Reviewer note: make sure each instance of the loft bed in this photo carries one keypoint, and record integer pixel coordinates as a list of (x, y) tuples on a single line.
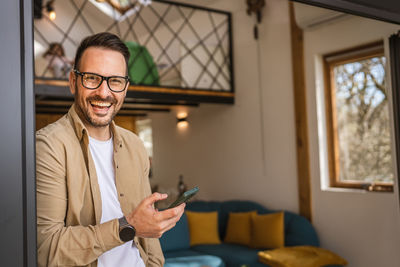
[(180, 54)]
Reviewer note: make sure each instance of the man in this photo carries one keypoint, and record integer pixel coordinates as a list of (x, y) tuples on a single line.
[(94, 205)]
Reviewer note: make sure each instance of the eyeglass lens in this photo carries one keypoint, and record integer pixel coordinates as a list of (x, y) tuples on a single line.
[(93, 81)]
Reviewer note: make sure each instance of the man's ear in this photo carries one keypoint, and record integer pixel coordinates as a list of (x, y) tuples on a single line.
[(72, 82)]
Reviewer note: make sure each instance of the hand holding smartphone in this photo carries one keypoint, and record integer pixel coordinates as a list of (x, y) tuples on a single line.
[(184, 197)]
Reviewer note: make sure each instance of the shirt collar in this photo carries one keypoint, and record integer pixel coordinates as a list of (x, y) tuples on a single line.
[(81, 131)]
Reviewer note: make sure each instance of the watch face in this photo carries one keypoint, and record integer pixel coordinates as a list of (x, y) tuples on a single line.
[(127, 234)]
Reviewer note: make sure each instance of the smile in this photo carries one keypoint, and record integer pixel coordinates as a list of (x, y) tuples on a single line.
[(100, 104)]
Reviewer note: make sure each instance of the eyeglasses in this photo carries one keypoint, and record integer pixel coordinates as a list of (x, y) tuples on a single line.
[(93, 81)]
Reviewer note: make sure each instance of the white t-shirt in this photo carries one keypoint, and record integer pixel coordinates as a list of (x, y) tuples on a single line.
[(127, 254)]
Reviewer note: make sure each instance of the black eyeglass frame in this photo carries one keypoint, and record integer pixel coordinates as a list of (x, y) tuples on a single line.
[(77, 72)]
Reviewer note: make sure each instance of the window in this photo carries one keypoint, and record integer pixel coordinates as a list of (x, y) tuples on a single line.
[(145, 133), (358, 122)]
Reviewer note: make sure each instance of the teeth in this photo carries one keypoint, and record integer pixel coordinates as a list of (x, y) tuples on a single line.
[(101, 104)]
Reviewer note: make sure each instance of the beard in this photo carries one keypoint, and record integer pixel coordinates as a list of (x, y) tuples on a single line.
[(86, 115)]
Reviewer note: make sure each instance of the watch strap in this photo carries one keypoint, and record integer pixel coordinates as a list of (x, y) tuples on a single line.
[(123, 222), (126, 231)]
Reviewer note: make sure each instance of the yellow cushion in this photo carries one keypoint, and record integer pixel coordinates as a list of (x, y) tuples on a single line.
[(268, 230), (203, 227), (304, 256), (238, 229)]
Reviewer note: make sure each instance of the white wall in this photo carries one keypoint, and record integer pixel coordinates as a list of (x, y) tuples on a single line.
[(247, 151), (363, 227), (227, 151)]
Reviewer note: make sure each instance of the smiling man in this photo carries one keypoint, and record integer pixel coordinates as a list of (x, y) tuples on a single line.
[(94, 205)]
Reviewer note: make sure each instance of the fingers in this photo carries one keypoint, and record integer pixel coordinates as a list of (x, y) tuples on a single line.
[(171, 213), (150, 200), (149, 224), (169, 223)]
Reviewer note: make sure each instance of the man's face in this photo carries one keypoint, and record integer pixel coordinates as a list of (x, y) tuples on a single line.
[(98, 107)]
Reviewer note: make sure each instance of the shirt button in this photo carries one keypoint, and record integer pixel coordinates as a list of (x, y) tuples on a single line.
[(120, 145), (121, 195)]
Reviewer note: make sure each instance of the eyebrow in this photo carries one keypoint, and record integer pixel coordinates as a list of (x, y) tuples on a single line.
[(113, 75)]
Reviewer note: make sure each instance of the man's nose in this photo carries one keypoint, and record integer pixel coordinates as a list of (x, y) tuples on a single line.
[(103, 89)]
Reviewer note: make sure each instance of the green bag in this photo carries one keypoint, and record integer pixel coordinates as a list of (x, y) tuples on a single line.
[(141, 67)]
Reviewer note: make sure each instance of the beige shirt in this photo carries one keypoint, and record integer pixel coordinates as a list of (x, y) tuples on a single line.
[(69, 200)]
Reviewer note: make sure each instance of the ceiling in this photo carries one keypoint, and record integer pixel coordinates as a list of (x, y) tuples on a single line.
[(310, 17)]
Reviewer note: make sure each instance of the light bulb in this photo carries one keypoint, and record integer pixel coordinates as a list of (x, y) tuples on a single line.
[(183, 124), (181, 115), (52, 15)]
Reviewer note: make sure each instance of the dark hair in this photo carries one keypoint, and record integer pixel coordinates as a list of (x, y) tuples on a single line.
[(55, 49), (103, 40)]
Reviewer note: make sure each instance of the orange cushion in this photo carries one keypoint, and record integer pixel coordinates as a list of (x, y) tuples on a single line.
[(238, 229), (304, 256), (268, 230), (203, 227)]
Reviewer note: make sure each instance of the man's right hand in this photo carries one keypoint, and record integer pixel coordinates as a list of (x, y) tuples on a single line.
[(149, 222)]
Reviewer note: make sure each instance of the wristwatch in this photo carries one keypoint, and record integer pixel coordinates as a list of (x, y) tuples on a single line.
[(126, 231)]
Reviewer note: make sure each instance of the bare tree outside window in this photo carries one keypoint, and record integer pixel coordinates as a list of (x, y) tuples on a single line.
[(361, 122)]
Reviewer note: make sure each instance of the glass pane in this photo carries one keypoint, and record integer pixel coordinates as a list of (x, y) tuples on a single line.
[(362, 117), (145, 133)]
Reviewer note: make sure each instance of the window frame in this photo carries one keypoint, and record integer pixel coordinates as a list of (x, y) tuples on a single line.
[(330, 61)]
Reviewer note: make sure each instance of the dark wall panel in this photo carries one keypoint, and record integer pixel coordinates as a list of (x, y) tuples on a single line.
[(11, 203), (394, 43), (17, 202), (388, 5), (386, 10)]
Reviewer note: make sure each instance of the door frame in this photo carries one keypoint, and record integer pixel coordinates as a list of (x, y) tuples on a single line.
[(17, 133)]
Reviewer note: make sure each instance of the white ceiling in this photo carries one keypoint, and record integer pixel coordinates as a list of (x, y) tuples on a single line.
[(310, 17)]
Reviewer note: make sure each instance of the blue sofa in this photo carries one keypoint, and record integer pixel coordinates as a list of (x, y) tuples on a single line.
[(175, 243)]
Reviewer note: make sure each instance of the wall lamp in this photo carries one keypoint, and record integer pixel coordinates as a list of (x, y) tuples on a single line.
[(181, 120), (50, 10)]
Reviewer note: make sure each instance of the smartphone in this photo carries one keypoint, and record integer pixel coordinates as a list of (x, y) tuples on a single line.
[(184, 197)]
